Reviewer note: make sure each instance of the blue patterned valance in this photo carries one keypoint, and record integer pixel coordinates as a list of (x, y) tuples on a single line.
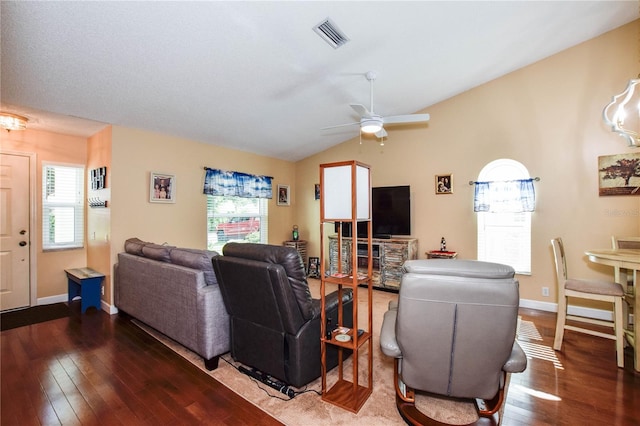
[(236, 184), (512, 196)]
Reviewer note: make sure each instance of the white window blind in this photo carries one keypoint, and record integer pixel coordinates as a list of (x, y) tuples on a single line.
[(62, 206), (226, 209), (505, 237)]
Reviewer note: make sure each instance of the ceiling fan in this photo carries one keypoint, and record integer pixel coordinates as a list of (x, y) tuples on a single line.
[(373, 123)]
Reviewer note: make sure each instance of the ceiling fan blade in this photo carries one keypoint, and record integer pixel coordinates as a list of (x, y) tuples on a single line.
[(411, 118), (381, 133), (361, 110), (340, 125)]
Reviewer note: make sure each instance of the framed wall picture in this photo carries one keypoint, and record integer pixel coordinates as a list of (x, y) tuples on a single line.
[(162, 188), (283, 195), (619, 174), (316, 189), (444, 184)]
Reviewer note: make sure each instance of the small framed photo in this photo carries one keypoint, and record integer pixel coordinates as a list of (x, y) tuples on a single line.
[(162, 188), (317, 191), (313, 271), (283, 195), (444, 184)]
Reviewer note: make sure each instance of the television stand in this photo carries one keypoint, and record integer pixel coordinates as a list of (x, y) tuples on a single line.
[(388, 256)]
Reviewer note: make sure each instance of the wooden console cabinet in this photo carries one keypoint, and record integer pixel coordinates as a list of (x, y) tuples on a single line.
[(388, 256)]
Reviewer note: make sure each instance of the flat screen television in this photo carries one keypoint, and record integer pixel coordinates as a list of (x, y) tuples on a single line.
[(390, 212)]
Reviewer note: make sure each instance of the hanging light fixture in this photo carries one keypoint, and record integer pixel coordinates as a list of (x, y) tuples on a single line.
[(10, 121), (622, 114)]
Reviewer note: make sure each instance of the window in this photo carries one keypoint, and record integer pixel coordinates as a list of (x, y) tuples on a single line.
[(236, 219), (505, 237), (62, 207)]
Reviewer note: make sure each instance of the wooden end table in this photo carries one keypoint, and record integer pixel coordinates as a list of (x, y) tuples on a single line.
[(86, 283)]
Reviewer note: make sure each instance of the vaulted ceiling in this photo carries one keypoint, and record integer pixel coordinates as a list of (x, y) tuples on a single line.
[(255, 76)]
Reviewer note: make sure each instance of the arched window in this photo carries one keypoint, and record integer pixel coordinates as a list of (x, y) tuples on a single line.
[(504, 233)]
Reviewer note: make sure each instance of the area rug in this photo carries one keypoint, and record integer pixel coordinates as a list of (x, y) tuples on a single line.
[(33, 315), (308, 409)]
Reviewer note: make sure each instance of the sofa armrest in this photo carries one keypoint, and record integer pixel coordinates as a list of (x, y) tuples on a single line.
[(517, 361), (388, 342), (213, 322)]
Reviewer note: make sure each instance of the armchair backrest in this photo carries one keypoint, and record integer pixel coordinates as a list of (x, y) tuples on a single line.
[(456, 325), (264, 284)]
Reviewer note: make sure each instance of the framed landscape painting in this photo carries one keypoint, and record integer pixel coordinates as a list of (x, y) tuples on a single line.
[(619, 174)]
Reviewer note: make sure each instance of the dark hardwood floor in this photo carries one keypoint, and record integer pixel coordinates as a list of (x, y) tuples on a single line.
[(99, 369)]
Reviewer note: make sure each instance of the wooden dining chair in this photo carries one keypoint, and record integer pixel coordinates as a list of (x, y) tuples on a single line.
[(625, 243), (606, 291)]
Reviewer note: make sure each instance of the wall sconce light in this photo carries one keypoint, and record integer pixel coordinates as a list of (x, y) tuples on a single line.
[(10, 121), (622, 114)]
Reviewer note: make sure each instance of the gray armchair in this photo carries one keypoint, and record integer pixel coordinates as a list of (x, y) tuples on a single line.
[(452, 333)]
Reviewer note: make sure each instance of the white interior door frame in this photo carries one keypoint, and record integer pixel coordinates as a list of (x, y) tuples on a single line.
[(33, 234)]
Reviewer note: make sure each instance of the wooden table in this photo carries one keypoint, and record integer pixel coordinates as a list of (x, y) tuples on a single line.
[(626, 260), (437, 254)]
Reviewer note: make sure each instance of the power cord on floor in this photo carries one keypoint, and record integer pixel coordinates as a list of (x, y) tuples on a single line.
[(260, 378)]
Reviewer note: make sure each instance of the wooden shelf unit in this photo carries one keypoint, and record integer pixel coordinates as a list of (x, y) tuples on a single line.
[(388, 256), (348, 391)]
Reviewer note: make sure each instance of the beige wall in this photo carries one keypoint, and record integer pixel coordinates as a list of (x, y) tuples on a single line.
[(54, 148), (99, 218), (547, 116), (136, 153)]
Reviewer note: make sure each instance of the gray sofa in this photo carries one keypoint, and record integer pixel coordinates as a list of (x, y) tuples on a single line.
[(175, 291)]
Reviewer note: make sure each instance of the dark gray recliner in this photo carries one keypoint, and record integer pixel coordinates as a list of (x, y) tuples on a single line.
[(275, 323), (452, 333)]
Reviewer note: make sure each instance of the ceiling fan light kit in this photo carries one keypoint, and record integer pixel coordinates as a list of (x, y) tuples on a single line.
[(10, 121), (372, 123)]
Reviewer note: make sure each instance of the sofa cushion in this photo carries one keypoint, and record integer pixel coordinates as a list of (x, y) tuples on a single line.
[(196, 259), (157, 252), (134, 246)]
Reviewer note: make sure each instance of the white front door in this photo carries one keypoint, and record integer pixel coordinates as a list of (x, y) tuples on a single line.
[(14, 231)]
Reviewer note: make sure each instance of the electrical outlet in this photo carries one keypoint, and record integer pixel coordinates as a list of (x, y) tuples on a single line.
[(545, 291), (103, 290)]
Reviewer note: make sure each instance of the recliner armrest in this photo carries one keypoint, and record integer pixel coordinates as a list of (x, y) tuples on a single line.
[(331, 300), (517, 361), (388, 342)]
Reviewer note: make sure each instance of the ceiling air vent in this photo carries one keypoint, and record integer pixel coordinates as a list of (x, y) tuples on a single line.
[(330, 33)]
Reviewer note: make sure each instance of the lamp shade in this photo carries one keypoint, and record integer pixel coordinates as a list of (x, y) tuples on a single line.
[(345, 191), (622, 114)]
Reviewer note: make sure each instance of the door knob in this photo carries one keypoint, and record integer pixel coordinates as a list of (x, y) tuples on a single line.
[(22, 243), (22, 232)]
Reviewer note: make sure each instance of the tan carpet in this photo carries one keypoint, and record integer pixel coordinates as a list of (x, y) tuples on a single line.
[(308, 409)]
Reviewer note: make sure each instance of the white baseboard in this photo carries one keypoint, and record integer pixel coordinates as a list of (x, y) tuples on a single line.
[(110, 309), (571, 310), (524, 303), (52, 299)]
